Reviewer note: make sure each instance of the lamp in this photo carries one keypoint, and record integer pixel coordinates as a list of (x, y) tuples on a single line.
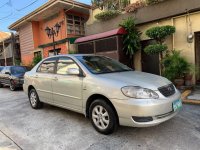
[(57, 27), (48, 31), (52, 32)]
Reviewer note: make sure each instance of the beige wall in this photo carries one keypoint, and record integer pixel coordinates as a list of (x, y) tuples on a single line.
[(179, 39)]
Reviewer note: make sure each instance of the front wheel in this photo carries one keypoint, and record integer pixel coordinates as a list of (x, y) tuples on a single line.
[(103, 117), (34, 99), (1, 85), (12, 85)]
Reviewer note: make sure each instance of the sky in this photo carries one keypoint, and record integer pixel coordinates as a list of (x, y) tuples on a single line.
[(13, 10)]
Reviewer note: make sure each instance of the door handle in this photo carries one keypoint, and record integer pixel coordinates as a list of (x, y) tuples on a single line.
[(36, 76), (55, 79)]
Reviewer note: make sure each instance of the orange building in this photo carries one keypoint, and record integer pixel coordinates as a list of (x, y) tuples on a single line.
[(67, 18)]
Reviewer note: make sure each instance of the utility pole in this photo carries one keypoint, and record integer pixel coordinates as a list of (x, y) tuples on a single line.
[(13, 47), (4, 51)]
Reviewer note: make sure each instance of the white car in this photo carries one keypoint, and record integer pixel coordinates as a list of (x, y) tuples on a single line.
[(106, 91)]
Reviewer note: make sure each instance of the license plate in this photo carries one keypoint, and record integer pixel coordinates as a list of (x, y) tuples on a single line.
[(177, 105)]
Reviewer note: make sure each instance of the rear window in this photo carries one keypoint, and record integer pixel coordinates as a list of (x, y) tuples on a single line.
[(18, 70)]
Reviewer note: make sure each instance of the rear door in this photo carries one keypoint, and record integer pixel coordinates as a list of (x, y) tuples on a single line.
[(5, 76), (2, 75), (43, 80)]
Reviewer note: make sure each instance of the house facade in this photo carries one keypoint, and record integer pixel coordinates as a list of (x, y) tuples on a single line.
[(67, 20), (184, 15), (9, 49)]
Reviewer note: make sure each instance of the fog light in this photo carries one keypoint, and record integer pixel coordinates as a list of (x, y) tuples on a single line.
[(142, 119)]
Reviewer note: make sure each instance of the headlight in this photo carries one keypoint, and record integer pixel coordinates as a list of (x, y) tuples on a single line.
[(139, 92)]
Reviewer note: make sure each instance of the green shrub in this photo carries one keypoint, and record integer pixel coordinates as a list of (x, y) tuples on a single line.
[(175, 66), (155, 49), (72, 52), (106, 15), (160, 33), (37, 59)]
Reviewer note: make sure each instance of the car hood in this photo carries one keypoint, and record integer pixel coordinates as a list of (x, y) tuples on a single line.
[(136, 78), (19, 75)]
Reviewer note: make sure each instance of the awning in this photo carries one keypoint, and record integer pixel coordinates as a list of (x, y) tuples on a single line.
[(101, 35), (70, 40)]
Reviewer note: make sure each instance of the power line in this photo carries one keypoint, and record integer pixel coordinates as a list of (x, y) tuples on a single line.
[(7, 16), (9, 3), (26, 6), (3, 5)]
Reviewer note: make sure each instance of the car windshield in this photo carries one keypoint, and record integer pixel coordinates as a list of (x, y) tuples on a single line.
[(18, 70), (101, 64)]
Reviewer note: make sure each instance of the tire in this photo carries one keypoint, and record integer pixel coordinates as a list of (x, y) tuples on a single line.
[(34, 99), (1, 85), (12, 86), (103, 117)]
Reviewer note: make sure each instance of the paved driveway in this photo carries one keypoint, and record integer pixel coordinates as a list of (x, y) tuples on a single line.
[(51, 128)]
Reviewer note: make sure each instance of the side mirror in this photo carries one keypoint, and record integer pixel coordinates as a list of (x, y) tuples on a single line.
[(7, 73), (73, 71)]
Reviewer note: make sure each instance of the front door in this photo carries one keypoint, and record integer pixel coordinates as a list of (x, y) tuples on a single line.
[(67, 89), (150, 63), (197, 56)]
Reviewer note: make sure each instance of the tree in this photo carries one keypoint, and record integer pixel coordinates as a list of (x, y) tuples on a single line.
[(131, 40), (159, 34)]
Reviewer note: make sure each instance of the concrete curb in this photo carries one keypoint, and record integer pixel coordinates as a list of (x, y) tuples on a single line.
[(184, 96)]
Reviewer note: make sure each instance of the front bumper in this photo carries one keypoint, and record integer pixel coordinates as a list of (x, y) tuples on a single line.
[(160, 110)]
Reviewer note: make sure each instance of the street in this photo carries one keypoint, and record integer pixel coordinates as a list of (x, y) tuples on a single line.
[(53, 128)]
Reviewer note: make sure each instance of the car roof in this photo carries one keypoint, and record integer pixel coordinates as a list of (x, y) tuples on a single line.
[(70, 55)]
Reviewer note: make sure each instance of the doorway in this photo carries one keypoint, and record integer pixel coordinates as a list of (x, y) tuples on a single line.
[(197, 56), (150, 63)]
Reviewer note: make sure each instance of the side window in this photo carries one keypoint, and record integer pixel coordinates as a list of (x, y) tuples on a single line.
[(5, 69), (47, 66), (64, 64)]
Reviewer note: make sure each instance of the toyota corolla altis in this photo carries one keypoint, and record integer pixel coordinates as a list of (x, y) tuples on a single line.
[(104, 90)]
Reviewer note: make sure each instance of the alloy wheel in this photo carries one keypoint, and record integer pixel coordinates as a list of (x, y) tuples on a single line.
[(12, 86), (33, 99), (100, 117)]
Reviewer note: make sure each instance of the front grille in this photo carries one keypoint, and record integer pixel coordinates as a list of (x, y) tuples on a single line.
[(167, 90)]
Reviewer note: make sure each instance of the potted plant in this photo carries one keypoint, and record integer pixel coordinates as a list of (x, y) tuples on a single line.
[(175, 68), (189, 75)]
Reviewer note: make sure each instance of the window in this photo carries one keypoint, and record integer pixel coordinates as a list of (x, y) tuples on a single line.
[(18, 70), (47, 66), (105, 45), (101, 65), (86, 48), (37, 54), (5, 69), (75, 25), (64, 64), (51, 52)]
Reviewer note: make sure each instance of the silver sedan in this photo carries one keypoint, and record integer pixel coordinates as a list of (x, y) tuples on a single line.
[(104, 90)]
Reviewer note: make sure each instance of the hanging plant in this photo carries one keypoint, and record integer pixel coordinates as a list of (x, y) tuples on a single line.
[(135, 6), (107, 15), (131, 40), (152, 2)]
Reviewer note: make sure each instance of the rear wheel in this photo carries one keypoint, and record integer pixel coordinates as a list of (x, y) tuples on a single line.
[(103, 117), (1, 85), (34, 99), (12, 85)]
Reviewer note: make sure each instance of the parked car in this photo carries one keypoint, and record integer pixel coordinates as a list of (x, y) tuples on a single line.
[(12, 76), (106, 91), (1, 67)]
